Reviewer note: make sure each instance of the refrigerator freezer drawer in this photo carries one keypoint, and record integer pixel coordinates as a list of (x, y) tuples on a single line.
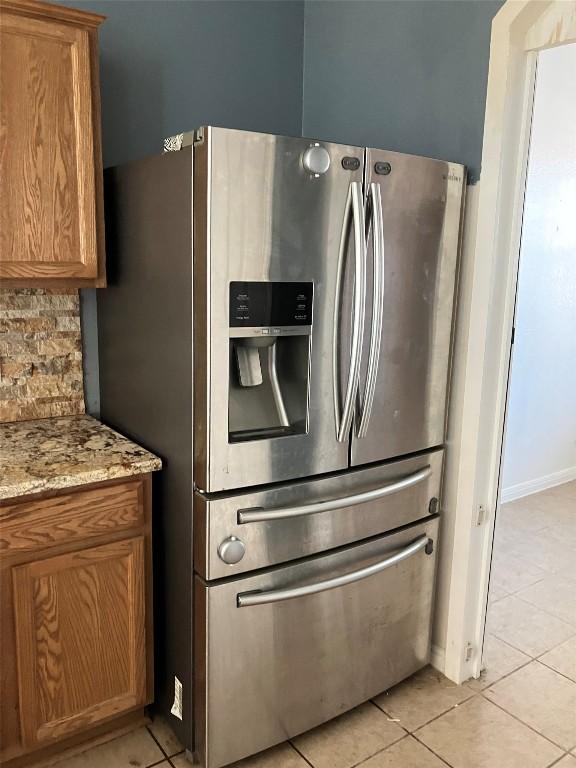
[(279, 524), (293, 647)]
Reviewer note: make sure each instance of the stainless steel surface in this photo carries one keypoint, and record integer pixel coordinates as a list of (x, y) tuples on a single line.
[(279, 540), (270, 672), (421, 203), (260, 216), (145, 340), (248, 599), (355, 204), (231, 550), (316, 159), (378, 272), (261, 515), (276, 391)]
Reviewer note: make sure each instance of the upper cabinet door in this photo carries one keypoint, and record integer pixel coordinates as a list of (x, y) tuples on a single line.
[(50, 164), (407, 368)]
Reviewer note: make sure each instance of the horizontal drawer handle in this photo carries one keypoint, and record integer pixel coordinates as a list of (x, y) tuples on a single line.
[(246, 599), (259, 515)]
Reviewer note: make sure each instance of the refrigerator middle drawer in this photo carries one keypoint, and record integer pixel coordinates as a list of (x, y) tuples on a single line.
[(282, 651), (240, 533)]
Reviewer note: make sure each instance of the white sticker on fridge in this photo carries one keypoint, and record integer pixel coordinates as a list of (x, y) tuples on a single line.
[(177, 706)]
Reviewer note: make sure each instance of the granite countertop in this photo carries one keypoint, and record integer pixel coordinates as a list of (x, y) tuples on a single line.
[(54, 453)]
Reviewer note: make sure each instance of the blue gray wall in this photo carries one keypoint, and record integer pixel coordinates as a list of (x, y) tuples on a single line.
[(407, 75), (171, 65)]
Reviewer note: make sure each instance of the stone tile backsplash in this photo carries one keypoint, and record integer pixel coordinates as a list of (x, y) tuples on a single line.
[(40, 354)]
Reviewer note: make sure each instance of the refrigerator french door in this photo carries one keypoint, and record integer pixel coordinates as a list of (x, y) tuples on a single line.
[(414, 208), (268, 230)]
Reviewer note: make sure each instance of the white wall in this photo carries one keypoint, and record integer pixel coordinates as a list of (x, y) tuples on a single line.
[(540, 448)]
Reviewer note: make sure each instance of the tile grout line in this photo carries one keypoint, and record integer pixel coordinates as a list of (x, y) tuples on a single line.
[(442, 759), (454, 706), (512, 646), (396, 741), (379, 751), (164, 752), (160, 747), (527, 586), (177, 754), (547, 575), (405, 736), (531, 659), (388, 715), (522, 722), (543, 663), (504, 677), (556, 762), (517, 555), (539, 608), (295, 748), (509, 644), (368, 757), (491, 632)]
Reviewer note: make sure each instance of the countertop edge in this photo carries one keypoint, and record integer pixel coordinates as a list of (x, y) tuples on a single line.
[(32, 486)]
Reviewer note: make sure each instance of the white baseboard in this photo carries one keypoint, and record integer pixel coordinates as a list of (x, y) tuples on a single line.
[(438, 658), (539, 484)]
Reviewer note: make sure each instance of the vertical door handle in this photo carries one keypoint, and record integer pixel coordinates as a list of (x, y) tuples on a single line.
[(377, 309), (354, 208)]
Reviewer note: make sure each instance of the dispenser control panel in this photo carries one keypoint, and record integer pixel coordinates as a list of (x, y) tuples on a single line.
[(270, 305)]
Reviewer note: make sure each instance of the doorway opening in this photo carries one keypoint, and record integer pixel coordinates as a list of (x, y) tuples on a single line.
[(530, 640)]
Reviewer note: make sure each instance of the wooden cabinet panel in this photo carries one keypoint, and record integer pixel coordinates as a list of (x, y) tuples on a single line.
[(49, 154), (28, 525), (81, 638)]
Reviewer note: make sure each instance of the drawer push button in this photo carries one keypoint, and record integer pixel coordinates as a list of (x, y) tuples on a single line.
[(231, 550)]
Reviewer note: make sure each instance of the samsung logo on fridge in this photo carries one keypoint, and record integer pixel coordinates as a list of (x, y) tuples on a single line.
[(451, 177)]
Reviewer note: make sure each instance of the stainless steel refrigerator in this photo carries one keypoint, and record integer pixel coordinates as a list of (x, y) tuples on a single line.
[(278, 328)]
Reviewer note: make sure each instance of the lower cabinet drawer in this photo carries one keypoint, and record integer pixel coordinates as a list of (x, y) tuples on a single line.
[(280, 652), (26, 526)]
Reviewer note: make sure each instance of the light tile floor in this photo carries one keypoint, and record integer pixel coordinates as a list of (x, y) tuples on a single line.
[(520, 714)]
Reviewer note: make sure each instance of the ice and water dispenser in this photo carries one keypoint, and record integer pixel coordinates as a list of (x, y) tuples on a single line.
[(270, 336)]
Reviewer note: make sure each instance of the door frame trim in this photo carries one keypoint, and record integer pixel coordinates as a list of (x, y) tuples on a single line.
[(484, 331)]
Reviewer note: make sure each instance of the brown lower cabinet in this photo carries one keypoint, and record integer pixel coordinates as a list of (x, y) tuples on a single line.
[(75, 615)]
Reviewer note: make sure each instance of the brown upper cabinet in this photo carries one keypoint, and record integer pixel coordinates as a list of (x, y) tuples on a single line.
[(51, 215)]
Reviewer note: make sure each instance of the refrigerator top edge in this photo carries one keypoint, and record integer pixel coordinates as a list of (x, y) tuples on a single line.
[(198, 135)]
